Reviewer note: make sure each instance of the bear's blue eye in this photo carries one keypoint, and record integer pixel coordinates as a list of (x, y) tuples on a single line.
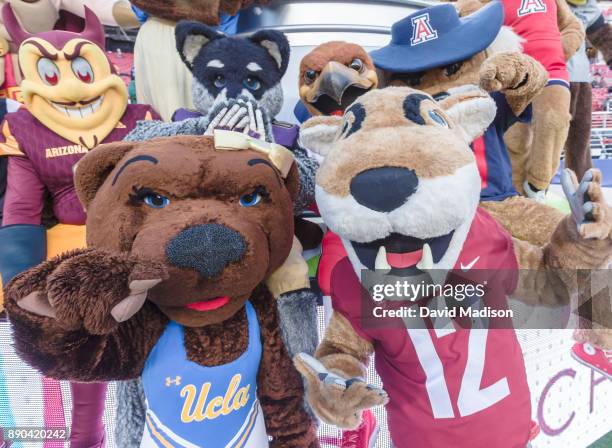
[(155, 200), (250, 199), (220, 81), (252, 83), (435, 116)]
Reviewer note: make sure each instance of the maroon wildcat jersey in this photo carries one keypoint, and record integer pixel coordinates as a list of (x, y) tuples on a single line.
[(40, 160), (458, 387)]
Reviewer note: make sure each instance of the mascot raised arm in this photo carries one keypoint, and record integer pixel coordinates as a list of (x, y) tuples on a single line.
[(237, 86), (551, 34), (74, 102), (182, 233), (400, 186)]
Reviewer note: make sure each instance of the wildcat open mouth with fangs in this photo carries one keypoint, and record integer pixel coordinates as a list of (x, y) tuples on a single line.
[(402, 254)]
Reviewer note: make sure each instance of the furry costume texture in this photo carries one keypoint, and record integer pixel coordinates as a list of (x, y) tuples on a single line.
[(222, 67), (535, 148), (333, 75), (426, 136), (155, 42), (97, 296), (500, 67), (156, 38), (551, 118), (74, 102), (578, 144), (206, 11)]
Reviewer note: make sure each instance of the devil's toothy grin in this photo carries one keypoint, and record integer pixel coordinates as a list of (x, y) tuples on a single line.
[(81, 109), (400, 252)]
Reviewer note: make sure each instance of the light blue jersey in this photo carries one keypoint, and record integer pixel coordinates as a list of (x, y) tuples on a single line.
[(189, 405)]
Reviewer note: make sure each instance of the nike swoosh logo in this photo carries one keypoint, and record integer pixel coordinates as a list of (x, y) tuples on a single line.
[(467, 267)]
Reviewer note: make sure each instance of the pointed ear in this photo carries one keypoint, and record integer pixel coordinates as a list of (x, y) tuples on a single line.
[(471, 109), (276, 44), (318, 134), (191, 37), (292, 181), (93, 169)]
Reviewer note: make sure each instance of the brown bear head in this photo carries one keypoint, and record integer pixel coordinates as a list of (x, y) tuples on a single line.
[(221, 220)]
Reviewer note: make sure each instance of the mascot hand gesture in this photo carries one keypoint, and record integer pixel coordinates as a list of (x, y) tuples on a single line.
[(399, 184)]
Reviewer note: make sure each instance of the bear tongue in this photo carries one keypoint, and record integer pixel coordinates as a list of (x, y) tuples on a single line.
[(209, 305), (337, 113)]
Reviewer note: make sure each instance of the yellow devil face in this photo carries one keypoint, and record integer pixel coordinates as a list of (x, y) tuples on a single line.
[(72, 90)]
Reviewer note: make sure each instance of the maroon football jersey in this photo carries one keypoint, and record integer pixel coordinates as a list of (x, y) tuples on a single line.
[(43, 161), (455, 386)]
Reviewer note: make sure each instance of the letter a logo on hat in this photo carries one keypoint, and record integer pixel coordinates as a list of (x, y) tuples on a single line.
[(531, 7), (421, 30)]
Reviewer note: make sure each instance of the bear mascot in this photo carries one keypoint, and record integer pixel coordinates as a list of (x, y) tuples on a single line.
[(400, 186), (181, 234), (237, 86)]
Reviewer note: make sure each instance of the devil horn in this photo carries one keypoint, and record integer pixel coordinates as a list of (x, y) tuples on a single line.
[(15, 30), (94, 31)]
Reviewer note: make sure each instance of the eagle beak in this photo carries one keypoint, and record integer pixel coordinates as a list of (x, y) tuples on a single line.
[(334, 82)]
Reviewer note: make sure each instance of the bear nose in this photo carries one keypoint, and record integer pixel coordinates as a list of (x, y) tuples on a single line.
[(384, 189), (207, 248)]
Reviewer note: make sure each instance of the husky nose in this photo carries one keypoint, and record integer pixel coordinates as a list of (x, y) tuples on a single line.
[(207, 248), (384, 189)]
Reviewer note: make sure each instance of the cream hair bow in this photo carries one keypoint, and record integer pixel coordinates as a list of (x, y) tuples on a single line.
[(280, 156)]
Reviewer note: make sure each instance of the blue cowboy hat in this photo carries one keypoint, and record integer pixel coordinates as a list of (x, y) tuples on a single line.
[(437, 36)]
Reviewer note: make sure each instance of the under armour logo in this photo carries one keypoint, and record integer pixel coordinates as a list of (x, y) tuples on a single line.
[(531, 7), (176, 381), (422, 30)]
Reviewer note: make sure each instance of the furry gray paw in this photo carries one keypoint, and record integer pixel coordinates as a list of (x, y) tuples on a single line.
[(298, 321)]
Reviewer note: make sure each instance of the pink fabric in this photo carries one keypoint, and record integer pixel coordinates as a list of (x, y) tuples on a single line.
[(87, 429), (23, 201), (53, 409), (536, 22)]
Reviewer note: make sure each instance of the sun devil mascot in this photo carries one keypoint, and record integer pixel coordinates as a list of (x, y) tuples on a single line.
[(73, 103)]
